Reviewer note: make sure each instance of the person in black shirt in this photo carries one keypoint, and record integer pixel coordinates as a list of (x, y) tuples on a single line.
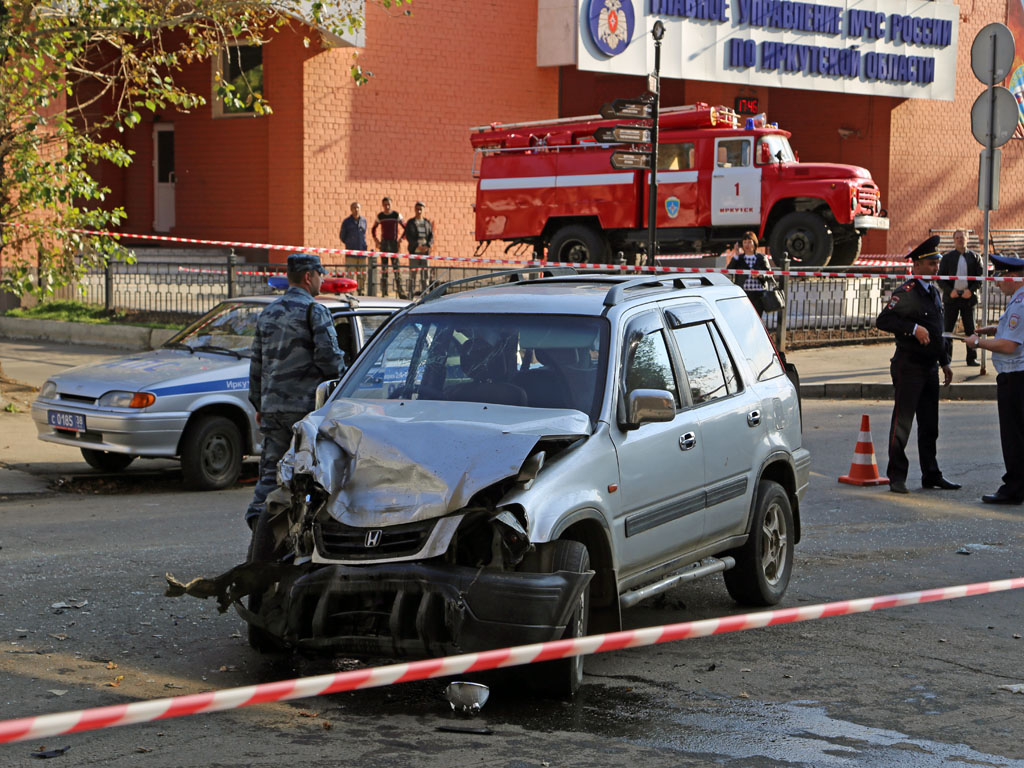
[(388, 223), (914, 315), (959, 296)]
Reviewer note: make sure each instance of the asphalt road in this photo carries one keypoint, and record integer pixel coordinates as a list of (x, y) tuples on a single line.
[(915, 686)]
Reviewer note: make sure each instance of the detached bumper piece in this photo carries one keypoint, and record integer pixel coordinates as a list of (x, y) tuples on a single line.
[(418, 609)]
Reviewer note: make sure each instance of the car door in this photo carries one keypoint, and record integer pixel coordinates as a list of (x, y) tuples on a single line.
[(735, 183), (677, 185), (660, 466), (729, 417)]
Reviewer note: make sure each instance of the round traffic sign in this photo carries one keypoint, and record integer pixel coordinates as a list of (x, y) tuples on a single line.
[(994, 117), (992, 53)]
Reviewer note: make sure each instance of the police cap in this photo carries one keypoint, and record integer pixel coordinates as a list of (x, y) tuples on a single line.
[(1011, 263), (303, 262), (926, 250)]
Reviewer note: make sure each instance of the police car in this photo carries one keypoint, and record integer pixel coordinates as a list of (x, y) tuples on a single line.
[(189, 398)]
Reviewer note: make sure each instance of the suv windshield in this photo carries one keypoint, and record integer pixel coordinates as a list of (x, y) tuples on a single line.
[(537, 362)]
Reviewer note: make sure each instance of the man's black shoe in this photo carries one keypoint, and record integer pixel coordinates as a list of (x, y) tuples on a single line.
[(942, 484), (898, 486), (973, 363), (999, 498)]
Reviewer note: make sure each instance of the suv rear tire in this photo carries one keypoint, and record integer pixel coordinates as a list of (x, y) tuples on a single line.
[(211, 454), (562, 678), (105, 461), (765, 563)]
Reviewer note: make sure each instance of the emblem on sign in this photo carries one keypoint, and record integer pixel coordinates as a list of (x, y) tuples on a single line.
[(672, 207), (373, 538), (611, 24)]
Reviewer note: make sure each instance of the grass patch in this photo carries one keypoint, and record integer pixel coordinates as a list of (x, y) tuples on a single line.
[(80, 312)]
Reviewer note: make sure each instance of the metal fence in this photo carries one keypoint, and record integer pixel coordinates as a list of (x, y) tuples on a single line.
[(819, 310)]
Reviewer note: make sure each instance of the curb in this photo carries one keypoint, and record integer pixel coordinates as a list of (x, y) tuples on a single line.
[(128, 337), (850, 390)]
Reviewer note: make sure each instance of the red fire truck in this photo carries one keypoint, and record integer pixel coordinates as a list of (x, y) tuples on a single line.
[(549, 184)]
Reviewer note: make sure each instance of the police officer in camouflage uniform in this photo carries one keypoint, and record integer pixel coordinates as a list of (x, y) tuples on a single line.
[(295, 348)]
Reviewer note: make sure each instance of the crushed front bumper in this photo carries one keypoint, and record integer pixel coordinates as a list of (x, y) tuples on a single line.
[(399, 609)]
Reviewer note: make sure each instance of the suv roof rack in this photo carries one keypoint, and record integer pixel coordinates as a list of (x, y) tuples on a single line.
[(617, 293), (514, 275)]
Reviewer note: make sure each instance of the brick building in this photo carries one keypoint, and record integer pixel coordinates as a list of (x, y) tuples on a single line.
[(289, 177)]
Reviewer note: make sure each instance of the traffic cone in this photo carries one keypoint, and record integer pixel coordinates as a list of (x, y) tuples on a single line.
[(864, 468)]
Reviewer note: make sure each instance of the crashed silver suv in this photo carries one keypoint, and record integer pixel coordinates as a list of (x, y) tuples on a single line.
[(518, 462)]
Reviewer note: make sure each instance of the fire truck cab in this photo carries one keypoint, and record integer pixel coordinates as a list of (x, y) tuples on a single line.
[(550, 184)]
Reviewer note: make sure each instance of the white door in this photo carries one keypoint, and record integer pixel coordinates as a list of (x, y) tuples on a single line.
[(735, 183), (163, 177)]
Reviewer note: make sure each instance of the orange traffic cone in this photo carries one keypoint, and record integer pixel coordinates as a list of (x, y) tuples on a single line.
[(864, 468)]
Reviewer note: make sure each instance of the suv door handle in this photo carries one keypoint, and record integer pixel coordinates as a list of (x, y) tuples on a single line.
[(753, 418), (687, 441)]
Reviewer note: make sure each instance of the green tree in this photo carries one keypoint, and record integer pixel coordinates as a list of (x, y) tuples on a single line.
[(76, 73)]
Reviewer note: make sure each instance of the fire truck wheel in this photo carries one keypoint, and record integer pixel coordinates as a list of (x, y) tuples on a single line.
[(804, 236), (577, 243), (845, 251)]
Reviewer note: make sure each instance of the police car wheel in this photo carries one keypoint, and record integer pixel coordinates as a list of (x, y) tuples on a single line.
[(105, 461), (211, 454)]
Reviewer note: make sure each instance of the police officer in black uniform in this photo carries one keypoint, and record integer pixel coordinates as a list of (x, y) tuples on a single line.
[(914, 315)]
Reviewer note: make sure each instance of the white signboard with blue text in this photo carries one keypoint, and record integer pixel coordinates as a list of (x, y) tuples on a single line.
[(902, 48)]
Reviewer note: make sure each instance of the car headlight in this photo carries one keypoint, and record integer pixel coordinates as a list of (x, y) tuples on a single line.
[(49, 390), (118, 399)]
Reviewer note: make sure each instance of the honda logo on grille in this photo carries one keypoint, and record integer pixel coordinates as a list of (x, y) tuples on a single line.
[(373, 537)]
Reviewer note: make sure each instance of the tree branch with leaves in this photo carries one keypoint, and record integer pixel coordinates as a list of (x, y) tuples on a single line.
[(76, 73)]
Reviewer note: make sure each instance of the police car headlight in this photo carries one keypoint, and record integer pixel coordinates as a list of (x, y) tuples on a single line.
[(117, 399), (49, 390)]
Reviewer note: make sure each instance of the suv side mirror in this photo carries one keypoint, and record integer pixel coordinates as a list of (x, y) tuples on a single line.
[(649, 405), (323, 392)]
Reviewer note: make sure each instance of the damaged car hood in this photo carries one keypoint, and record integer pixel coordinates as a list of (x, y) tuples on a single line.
[(398, 461)]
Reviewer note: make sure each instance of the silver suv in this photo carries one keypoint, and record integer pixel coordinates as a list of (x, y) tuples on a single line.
[(518, 462)]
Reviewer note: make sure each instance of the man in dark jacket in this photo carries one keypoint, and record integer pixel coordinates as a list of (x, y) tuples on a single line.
[(960, 296), (914, 315), (294, 349)]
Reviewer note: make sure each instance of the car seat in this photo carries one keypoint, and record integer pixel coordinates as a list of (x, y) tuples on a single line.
[(489, 366)]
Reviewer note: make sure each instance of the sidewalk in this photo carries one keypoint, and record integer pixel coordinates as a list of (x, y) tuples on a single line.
[(28, 465), (862, 372)]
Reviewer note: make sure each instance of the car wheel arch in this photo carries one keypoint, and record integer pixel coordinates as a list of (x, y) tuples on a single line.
[(238, 416), (778, 467), (589, 527)]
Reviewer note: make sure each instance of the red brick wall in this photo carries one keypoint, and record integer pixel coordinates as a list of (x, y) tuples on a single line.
[(405, 134), (934, 158)]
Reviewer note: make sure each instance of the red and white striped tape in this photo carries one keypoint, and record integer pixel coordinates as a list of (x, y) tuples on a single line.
[(503, 262), (42, 726)]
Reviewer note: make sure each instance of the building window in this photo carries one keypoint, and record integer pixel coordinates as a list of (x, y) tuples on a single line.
[(239, 68)]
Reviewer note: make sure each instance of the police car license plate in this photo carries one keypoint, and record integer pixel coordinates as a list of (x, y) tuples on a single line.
[(71, 422)]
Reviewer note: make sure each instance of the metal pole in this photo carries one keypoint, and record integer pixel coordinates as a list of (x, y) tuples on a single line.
[(988, 200), (232, 261), (108, 285), (780, 330), (652, 202)]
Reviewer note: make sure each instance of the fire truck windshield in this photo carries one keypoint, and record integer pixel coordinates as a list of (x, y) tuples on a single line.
[(777, 144)]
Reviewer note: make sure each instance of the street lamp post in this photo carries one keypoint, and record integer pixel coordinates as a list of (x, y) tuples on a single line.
[(652, 204)]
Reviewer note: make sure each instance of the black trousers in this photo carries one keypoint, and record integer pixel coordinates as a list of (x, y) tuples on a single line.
[(917, 394), (757, 299), (1010, 400), (964, 309)]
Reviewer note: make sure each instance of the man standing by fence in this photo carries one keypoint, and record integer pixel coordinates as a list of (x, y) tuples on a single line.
[(388, 223), (294, 349), (914, 315), (959, 296), (419, 233)]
